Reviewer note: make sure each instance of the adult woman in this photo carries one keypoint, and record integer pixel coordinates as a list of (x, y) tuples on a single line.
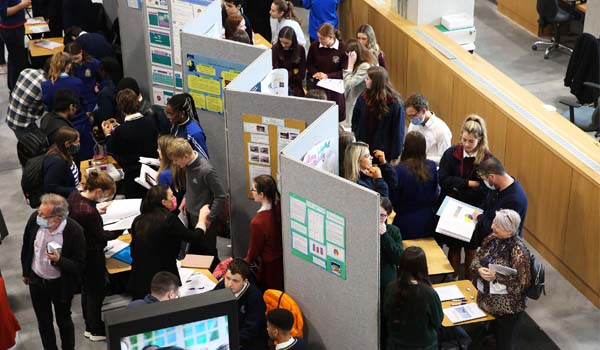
[(133, 139), (391, 245), (502, 295), (234, 7), (288, 54), (366, 35), (416, 194), (99, 187), (234, 23), (265, 234), (12, 31), (181, 112), (282, 15), (378, 116), (458, 179), (61, 64), (61, 174), (359, 61), (327, 59), (156, 238), (168, 173), (412, 309), (85, 67), (358, 167)]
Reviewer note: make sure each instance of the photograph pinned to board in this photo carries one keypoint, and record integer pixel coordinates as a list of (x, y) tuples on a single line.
[(208, 76), (161, 4), (318, 235), (158, 19), (259, 153), (275, 83), (285, 136), (161, 96)]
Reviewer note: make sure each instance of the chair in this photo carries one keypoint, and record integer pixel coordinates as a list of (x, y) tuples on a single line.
[(551, 14)]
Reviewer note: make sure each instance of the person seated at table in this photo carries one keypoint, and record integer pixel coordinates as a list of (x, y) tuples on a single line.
[(503, 295), (85, 67), (98, 188), (359, 168), (265, 246), (134, 138), (183, 116), (168, 173), (65, 105), (416, 194), (164, 286), (235, 7), (251, 306), (412, 308), (156, 237), (279, 325), (391, 246), (93, 43), (288, 54), (61, 174)]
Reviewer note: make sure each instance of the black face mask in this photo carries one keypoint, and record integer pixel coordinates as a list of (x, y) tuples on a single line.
[(73, 149)]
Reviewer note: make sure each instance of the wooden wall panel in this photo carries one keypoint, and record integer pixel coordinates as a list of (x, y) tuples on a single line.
[(583, 227), (522, 12), (528, 161)]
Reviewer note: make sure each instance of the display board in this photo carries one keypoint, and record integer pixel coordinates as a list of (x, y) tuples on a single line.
[(264, 139)]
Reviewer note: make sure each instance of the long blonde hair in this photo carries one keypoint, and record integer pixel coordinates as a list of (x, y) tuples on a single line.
[(177, 173), (372, 45), (58, 64), (475, 125), (354, 152)]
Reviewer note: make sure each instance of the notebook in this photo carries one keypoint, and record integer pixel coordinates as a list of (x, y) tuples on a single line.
[(197, 261)]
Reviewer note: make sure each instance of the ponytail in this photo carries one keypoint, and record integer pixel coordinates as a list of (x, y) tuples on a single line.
[(287, 8)]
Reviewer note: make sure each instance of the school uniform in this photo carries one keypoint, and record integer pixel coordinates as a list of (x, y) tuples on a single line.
[(87, 72), (266, 244), (381, 185), (95, 44), (292, 344), (283, 58), (60, 176), (64, 81)]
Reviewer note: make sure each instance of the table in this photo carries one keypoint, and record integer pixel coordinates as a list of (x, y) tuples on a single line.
[(84, 165), (37, 51), (468, 290), (30, 27), (260, 40), (437, 262), (114, 266)]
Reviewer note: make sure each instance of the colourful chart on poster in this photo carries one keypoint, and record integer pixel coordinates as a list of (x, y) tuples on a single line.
[(318, 235), (160, 38), (208, 76)]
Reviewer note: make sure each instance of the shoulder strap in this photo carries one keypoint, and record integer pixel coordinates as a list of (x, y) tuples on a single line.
[(279, 300)]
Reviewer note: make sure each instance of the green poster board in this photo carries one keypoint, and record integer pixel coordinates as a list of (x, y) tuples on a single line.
[(318, 235)]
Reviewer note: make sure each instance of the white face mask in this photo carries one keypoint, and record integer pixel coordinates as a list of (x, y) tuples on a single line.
[(488, 185)]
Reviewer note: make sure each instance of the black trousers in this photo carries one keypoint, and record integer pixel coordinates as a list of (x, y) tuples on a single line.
[(504, 328), (17, 56), (93, 292), (44, 295)]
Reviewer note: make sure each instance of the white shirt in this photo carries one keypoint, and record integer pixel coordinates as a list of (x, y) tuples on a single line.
[(133, 116), (285, 344), (41, 265), (335, 46), (437, 136), (276, 26)]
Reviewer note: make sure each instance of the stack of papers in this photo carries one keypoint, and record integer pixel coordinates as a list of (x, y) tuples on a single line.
[(121, 213), (36, 20), (113, 247), (457, 219), (43, 28), (194, 282), (449, 293), (149, 161), (47, 44), (464, 313)]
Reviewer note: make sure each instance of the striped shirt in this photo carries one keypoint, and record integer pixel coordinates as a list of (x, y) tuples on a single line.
[(25, 104), (75, 172)]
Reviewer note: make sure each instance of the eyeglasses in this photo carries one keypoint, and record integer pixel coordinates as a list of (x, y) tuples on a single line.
[(383, 216)]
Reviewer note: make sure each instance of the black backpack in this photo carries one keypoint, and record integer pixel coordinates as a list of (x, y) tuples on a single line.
[(33, 143), (538, 278), (32, 180)]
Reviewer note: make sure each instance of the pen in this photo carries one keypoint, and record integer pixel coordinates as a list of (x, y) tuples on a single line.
[(461, 303), (460, 299)]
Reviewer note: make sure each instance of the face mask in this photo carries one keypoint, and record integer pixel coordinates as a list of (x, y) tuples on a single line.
[(416, 121), (73, 149), (488, 185), (174, 204), (43, 223)]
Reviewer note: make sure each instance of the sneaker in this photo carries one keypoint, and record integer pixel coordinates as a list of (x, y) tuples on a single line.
[(3, 69), (87, 334), (98, 337)]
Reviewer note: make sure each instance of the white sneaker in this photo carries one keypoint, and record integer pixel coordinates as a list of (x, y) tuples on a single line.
[(87, 334), (97, 337)]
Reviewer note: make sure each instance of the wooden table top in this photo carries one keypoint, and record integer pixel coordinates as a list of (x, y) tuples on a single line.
[(437, 262), (470, 293), (28, 27), (84, 165), (260, 40), (114, 266), (37, 51)]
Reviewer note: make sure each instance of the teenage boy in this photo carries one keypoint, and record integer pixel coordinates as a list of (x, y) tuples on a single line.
[(279, 325)]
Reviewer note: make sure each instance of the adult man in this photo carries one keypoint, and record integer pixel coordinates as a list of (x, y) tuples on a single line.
[(505, 193), (164, 286), (65, 104), (25, 103), (251, 306), (202, 183), (437, 134), (279, 325), (52, 259)]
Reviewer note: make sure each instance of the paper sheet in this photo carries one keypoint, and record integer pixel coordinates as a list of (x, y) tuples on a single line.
[(113, 247), (449, 293), (46, 44), (463, 313), (275, 83), (123, 224), (196, 283), (149, 161), (505, 270), (457, 220), (36, 20), (336, 85), (120, 209), (39, 29)]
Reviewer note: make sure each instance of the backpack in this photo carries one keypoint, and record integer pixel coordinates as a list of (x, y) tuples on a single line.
[(32, 180), (538, 278), (275, 299), (32, 144)]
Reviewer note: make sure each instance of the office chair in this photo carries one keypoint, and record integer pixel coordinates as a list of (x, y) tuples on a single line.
[(578, 112), (550, 13)]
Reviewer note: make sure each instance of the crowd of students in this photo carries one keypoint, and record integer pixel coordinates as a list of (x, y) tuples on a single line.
[(413, 169)]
